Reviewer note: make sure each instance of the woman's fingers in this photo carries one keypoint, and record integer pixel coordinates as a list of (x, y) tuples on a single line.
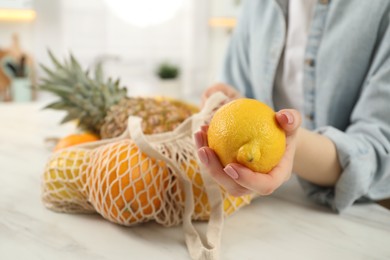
[(289, 120), (211, 162), (204, 128), (215, 169), (200, 139), (229, 91), (263, 184)]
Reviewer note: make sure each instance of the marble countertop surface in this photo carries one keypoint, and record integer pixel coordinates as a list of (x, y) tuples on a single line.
[(284, 225)]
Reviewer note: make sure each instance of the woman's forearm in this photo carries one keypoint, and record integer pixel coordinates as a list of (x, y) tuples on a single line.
[(316, 159)]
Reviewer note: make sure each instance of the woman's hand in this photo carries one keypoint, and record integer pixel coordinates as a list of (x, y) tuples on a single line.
[(239, 180), (229, 91)]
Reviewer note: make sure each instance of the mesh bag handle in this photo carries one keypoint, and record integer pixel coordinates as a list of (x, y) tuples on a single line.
[(148, 144)]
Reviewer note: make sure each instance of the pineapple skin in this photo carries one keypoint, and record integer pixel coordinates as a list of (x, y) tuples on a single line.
[(101, 106), (158, 115)]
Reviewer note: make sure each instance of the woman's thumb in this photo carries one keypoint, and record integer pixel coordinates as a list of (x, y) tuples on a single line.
[(289, 120)]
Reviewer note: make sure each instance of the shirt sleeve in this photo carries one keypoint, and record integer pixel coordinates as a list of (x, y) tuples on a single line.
[(235, 68), (364, 148)]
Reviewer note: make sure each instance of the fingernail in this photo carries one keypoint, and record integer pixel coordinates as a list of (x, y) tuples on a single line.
[(289, 117), (198, 139), (231, 172), (204, 128), (203, 157)]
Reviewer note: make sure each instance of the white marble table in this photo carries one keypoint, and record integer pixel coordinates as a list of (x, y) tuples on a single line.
[(284, 225)]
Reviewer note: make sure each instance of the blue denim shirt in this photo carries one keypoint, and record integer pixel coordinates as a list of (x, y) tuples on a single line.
[(346, 85)]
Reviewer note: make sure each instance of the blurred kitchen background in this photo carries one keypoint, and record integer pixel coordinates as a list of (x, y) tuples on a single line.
[(131, 38)]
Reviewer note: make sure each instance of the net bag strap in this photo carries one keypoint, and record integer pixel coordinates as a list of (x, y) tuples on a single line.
[(197, 249)]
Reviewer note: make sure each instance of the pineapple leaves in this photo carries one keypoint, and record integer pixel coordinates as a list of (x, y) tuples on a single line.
[(55, 61), (59, 105), (69, 117), (99, 73), (84, 97), (61, 91)]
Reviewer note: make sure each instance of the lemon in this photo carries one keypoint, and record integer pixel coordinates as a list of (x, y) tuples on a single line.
[(65, 175), (245, 131)]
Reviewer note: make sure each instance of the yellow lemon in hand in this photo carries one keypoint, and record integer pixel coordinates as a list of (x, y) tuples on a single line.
[(245, 131)]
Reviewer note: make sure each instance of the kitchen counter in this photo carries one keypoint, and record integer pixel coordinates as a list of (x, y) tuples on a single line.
[(284, 225)]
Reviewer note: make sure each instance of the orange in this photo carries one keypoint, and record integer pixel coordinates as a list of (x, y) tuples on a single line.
[(74, 139), (201, 201), (126, 186), (245, 131)]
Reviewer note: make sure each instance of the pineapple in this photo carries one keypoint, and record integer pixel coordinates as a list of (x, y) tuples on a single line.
[(102, 107)]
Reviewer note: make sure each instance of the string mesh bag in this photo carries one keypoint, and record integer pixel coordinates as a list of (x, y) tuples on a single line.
[(137, 178), (111, 177), (64, 186)]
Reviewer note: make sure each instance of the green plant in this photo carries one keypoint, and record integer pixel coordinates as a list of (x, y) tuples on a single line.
[(167, 71)]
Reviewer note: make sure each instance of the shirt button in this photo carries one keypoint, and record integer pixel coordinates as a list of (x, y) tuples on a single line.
[(310, 62), (324, 2), (309, 117)]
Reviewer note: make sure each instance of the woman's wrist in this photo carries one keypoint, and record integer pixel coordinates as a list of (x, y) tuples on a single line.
[(316, 158)]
